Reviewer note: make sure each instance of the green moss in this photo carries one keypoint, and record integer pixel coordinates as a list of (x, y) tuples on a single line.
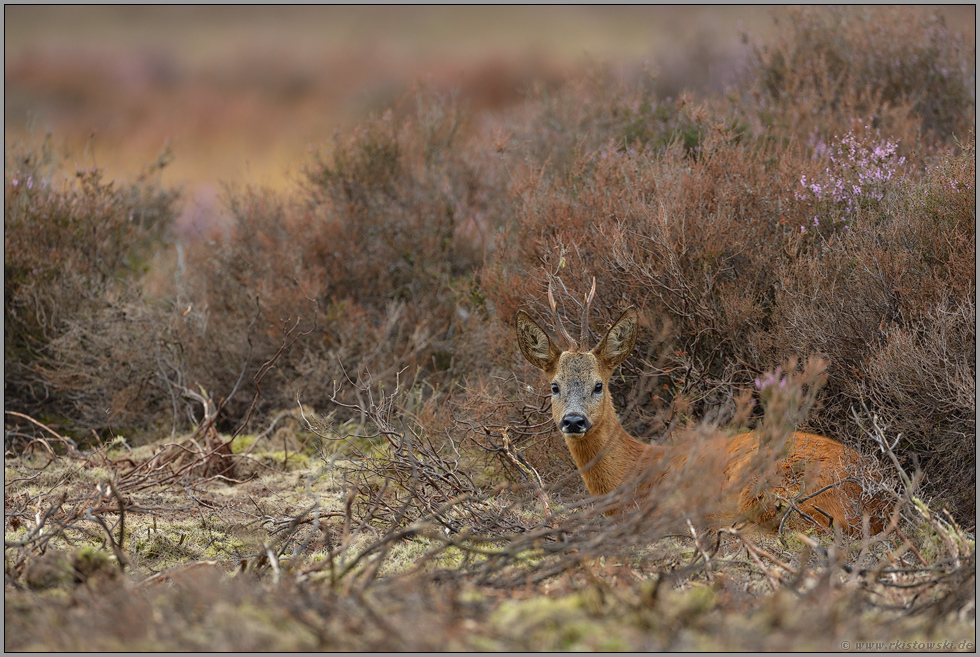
[(409, 552), (225, 546), (512, 613), (567, 623), (692, 603), (15, 535), (239, 444), (931, 544), (90, 562), (160, 546), (291, 460)]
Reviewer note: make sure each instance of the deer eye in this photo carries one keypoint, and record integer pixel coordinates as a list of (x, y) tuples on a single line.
[(554, 388), (598, 388)]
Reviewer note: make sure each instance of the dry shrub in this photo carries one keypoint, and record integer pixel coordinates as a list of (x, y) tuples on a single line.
[(693, 242), (375, 254), (405, 256), (118, 367), (74, 251), (922, 384), (746, 250), (890, 295), (829, 66), (593, 112)]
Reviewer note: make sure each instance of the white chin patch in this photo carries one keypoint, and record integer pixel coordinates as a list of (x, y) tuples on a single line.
[(572, 435)]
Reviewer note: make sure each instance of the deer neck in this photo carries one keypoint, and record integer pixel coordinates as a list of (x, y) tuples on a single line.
[(607, 455)]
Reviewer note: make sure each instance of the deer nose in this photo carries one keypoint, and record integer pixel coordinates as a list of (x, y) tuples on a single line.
[(574, 423)]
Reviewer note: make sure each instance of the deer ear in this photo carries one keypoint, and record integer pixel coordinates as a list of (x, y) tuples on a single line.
[(539, 349), (619, 340)]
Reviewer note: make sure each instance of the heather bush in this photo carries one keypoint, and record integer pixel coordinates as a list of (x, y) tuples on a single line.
[(373, 256), (745, 252), (75, 249), (829, 66), (919, 369), (692, 241), (853, 183)]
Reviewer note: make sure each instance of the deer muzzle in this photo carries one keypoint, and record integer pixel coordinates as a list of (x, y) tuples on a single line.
[(574, 423)]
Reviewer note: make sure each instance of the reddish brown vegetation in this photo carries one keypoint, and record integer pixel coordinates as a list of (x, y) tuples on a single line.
[(416, 238)]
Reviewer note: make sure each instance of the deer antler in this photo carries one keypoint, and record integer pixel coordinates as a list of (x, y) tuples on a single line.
[(585, 317), (558, 322)]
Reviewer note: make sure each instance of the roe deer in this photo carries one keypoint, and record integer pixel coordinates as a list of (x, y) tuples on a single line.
[(608, 457)]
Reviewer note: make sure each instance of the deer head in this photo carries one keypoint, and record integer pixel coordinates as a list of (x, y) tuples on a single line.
[(580, 403)]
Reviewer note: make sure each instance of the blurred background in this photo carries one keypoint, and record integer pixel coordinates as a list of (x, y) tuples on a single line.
[(245, 93)]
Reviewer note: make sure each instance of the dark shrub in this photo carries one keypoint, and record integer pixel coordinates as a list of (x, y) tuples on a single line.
[(74, 251)]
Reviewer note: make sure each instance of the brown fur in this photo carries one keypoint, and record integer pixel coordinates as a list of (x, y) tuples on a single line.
[(608, 457)]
